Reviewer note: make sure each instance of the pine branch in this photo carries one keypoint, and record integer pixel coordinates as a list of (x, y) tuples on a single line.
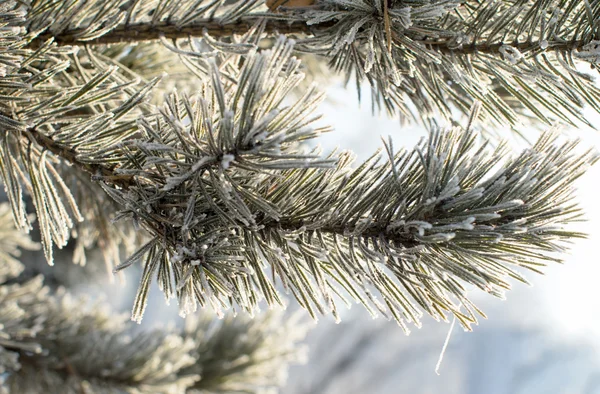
[(107, 174), (58, 343), (223, 189), (141, 32), (439, 56), (52, 92), (274, 24)]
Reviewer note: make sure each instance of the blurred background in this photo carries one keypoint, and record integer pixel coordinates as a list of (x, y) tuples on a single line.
[(541, 339)]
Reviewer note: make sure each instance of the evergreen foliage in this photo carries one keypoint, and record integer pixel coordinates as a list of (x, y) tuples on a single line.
[(423, 58), (54, 342), (231, 201)]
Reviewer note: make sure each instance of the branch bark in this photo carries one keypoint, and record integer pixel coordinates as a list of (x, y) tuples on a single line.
[(141, 32), (70, 155)]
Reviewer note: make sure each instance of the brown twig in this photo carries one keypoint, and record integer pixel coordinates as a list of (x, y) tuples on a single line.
[(70, 155), (140, 32)]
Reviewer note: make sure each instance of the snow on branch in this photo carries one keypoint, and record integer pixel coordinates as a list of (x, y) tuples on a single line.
[(423, 59), (56, 342), (227, 194), (231, 201)]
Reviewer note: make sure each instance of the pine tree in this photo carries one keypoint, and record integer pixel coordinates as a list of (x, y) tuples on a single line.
[(177, 129)]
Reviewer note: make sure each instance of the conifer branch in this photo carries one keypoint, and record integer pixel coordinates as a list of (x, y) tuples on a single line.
[(223, 190), (67, 153), (417, 52), (143, 32), (60, 343), (232, 203)]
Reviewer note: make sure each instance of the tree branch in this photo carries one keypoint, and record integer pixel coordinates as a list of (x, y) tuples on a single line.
[(141, 32), (70, 155), (376, 231), (126, 181)]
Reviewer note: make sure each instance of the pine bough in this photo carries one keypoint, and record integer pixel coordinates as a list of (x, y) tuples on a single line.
[(422, 58), (231, 201), (54, 342)]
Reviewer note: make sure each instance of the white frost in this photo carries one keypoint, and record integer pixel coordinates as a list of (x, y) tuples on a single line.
[(510, 53), (226, 160)]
